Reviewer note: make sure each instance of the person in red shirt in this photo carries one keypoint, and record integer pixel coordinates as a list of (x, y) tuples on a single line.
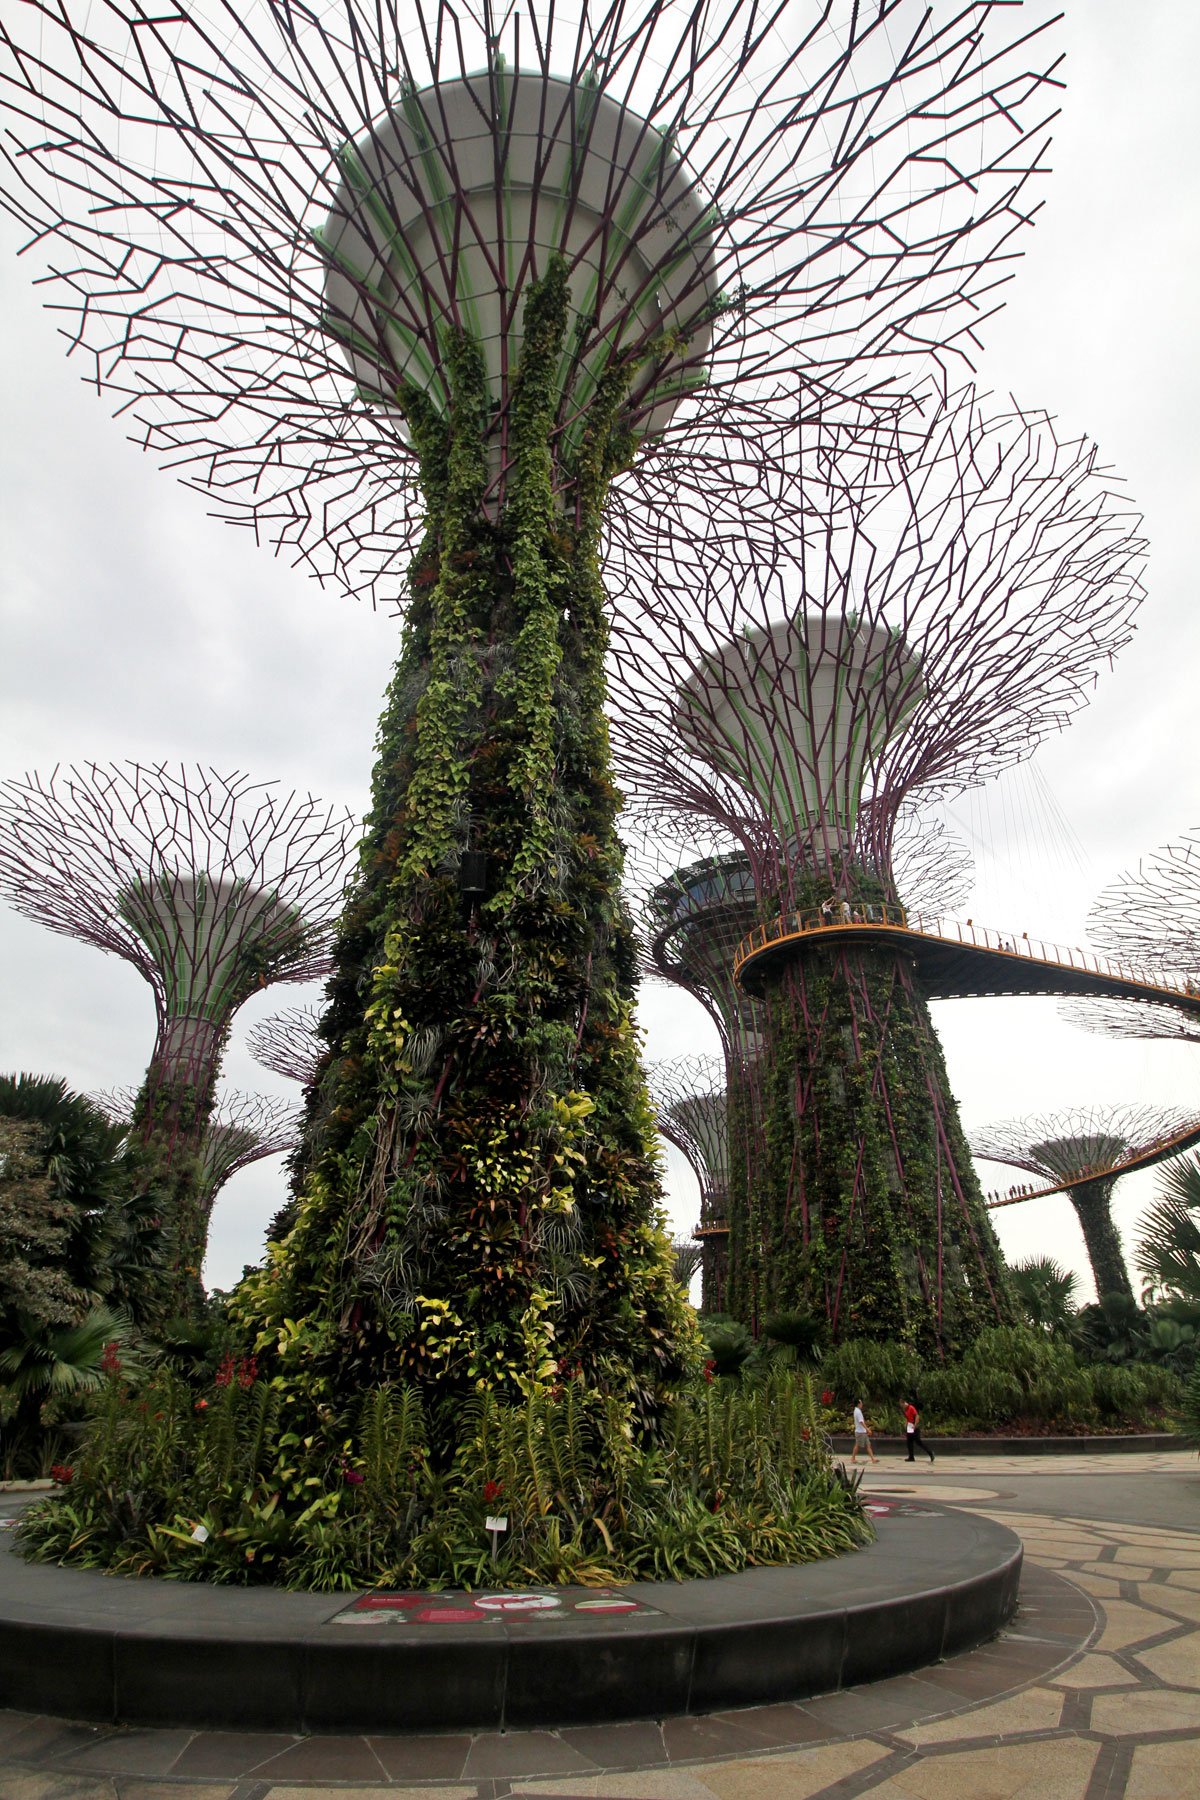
[(912, 1432)]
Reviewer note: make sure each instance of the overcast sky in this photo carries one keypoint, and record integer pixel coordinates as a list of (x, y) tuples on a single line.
[(133, 626)]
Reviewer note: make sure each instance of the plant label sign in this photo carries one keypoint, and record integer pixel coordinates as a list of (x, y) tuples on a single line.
[(499, 1523)]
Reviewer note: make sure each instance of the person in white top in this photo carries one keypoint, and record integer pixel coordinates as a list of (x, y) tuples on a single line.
[(862, 1435)]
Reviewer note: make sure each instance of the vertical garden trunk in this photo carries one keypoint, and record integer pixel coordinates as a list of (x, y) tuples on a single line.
[(1092, 1201), (868, 1209), (478, 1202)]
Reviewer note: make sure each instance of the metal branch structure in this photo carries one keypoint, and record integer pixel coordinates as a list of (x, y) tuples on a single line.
[(1121, 1019), (242, 1129), (288, 1043), (1152, 914), (257, 223), (950, 606), (690, 1097), (212, 886), (1080, 1151)]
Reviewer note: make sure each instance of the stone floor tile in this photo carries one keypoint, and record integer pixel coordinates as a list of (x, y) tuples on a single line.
[(131, 1753), (1125, 1624), (43, 1785), (635, 1744), (1163, 1771), (323, 1759), (1043, 1771), (697, 1739), (438, 1757), (792, 1776), (522, 1753), (231, 1753), (1100, 1585), (1119, 1571), (1185, 1578), (1177, 1662), (642, 1784), (1095, 1672), (342, 1793), (1183, 1558), (1146, 1709), (1036, 1709), (1180, 1600), (133, 1789)]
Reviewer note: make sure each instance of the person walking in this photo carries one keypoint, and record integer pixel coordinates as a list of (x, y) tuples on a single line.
[(912, 1432), (862, 1434)]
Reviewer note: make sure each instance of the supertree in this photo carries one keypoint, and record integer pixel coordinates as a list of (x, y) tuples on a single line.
[(1152, 914), (288, 1044), (1081, 1151), (691, 1101), (241, 1129), (484, 289), (1129, 1019), (213, 887), (946, 611)]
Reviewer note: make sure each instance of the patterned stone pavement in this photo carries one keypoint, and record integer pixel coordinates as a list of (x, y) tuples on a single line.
[(1094, 1694)]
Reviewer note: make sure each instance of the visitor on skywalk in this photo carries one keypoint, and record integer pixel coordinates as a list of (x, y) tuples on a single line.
[(844, 911), (912, 1431)]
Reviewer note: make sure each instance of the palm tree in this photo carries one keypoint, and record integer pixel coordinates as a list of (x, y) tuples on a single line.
[(1045, 1292), (1168, 1249), (54, 1362)]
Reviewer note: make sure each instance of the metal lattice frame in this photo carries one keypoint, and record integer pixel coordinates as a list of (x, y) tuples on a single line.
[(287, 1043), (1080, 1150), (242, 1129), (950, 608), (1124, 1019), (691, 1099), (211, 886), (793, 204), (1152, 914)]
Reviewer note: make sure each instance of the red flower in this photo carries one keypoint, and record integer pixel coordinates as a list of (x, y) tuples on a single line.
[(201, 1406), (247, 1371), (110, 1362), (826, 1396), (710, 1369), (351, 1477), (714, 1504), (224, 1374), (492, 1490), (61, 1473)]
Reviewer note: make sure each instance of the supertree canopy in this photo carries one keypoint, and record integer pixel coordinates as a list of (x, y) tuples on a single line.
[(1081, 1150), (265, 225), (944, 612), (212, 886), (241, 1129), (288, 1044), (691, 1100), (1152, 914), (1128, 1019)]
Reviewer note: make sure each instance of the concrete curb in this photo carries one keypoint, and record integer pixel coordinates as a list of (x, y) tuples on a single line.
[(90, 1646)]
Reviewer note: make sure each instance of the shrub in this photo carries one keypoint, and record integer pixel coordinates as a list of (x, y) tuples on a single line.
[(219, 1487)]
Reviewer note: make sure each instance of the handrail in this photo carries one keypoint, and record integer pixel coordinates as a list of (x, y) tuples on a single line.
[(1140, 1156), (872, 917)]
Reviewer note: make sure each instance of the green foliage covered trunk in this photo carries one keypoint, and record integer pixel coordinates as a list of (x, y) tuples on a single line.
[(865, 1206), (477, 1197), (1092, 1201)]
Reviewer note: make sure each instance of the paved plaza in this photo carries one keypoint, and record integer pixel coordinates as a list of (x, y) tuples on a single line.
[(1093, 1694)]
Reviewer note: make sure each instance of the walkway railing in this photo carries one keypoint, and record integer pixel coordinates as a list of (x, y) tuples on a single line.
[(848, 917), (1142, 1156)]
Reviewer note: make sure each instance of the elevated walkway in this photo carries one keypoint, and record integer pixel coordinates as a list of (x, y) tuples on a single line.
[(1143, 1156), (957, 959)]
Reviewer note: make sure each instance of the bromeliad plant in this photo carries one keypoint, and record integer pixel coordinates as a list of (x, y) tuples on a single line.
[(214, 1489)]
